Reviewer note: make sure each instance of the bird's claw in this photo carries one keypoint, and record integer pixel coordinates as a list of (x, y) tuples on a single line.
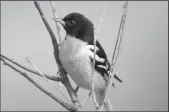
[(60, 70)]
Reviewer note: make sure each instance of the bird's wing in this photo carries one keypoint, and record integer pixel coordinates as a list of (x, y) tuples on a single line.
[(102, 64)]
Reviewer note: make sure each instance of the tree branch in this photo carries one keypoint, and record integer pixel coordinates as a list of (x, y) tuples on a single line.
[(55, 16), (46, 79), (116, 52), (94, 42), (64, 104), (63, 72), (54, 78)]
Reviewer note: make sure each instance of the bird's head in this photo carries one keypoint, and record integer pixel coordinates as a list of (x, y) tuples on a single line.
[(77, 25)]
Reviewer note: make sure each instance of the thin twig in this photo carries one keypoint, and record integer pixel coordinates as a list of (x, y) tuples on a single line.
[(63, 72), (37, 70), (95, 38), (116, 51), (101, 19), (55, 16), (64, 104), (46, 79), (86, 99), (93, 74), (53, 78)]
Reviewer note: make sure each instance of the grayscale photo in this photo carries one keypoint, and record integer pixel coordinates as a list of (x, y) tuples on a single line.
[(84, 56)]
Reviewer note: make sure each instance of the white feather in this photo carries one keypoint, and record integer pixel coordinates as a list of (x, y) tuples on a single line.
[(91, 54), (74, 55), (102, 66), (97, 58)]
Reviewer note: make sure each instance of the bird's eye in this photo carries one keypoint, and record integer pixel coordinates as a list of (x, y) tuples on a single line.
[(72, 22)]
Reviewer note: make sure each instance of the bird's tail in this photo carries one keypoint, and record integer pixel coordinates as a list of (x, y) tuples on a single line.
[(100, 95), (117, 78)]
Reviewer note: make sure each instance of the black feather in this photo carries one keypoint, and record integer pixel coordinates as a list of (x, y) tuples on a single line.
[(104, 71)]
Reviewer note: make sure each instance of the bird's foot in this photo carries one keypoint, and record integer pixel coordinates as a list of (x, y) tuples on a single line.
[(61, 69)]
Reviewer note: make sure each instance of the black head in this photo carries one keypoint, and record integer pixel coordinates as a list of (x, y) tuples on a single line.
[(78, 25)]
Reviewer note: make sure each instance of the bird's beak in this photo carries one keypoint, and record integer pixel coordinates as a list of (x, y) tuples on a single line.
[(59, 20)]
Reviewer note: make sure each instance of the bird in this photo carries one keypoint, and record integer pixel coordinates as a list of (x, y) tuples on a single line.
[(76, 54)]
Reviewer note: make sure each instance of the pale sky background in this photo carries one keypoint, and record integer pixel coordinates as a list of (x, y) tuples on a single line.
[(142, 64)]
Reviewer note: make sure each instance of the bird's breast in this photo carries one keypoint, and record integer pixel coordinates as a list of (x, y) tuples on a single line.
[(76, 61), (74, 56)]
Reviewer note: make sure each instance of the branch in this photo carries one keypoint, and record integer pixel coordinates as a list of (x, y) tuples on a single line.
[(97, 26), (63, 72), (64, 104), (54, 78), (93, 74), (116, 52), (46, 79), (37, 70), (94, 42), (55, 16)]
